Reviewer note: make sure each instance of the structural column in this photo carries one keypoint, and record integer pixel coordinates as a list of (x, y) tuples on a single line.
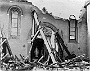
[(88, 30)]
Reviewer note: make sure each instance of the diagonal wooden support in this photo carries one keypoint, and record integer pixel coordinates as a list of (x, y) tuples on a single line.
[(53, 39), (44, 38), (47, 46)]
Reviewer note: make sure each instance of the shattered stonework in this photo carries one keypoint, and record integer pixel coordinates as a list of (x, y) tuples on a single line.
[(33, 39)]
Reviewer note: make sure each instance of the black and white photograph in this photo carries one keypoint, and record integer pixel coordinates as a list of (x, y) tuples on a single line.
[(44, 35)]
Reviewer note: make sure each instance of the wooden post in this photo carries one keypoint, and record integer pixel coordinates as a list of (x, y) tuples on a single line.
[(36, 18), (48, 47), (52, 39), (44, 38)]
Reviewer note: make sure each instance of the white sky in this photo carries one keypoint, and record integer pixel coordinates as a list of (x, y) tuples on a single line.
[(61, 8)]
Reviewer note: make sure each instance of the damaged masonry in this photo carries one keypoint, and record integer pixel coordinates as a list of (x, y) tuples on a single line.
[(33, 39)]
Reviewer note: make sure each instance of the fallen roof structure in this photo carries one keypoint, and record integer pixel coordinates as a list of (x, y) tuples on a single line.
[(45, 36)]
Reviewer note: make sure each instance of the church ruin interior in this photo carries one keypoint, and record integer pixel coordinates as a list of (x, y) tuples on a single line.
[(47, 49)]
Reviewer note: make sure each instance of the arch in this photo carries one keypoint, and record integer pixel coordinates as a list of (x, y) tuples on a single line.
[(17, 7), (49, 25), (14, 30)]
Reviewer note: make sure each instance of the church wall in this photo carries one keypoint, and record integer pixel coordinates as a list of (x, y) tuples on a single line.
[(21, 46), (18, 46), (79, 47)]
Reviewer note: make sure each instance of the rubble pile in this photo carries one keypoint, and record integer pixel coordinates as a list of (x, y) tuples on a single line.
[(76, 64)]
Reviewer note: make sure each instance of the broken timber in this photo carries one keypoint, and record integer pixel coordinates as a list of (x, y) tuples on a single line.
[(43, 36)]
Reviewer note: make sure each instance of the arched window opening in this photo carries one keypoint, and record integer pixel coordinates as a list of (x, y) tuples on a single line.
[(15, 20), (72, 29)]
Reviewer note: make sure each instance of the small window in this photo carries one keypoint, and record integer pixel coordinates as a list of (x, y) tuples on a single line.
[(72, 30)]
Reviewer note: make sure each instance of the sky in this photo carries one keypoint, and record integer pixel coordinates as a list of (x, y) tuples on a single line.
[(61, 8)]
